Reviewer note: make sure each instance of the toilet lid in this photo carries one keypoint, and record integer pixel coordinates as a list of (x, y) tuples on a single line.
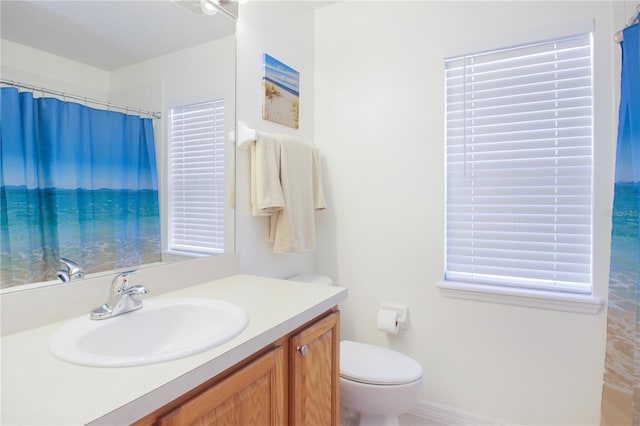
[(376, 365)]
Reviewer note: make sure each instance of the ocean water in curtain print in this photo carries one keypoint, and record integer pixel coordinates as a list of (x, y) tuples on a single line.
[(621, 389), (76, 182)]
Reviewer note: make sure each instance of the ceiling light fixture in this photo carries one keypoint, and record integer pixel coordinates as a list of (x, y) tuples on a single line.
[(208, 7)]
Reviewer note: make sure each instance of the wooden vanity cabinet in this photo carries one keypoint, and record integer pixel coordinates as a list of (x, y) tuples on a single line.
[(294, 381), (252, 395), (314, 374)]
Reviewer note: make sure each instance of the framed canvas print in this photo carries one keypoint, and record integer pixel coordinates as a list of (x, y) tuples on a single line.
[(281, 90)]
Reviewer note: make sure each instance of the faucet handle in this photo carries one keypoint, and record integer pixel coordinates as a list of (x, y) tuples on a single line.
[(125, 274), (122, 299), (73, 270), (120, 281)]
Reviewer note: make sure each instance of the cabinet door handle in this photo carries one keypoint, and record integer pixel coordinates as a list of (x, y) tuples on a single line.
[(302, 349)]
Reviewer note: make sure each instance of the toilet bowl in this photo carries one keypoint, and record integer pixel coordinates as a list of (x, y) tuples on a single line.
[(376, 384)]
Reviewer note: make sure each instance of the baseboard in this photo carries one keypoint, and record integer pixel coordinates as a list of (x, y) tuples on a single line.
[(450, 416)]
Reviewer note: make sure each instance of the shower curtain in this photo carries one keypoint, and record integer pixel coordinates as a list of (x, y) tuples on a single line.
[(621, 389), (76, 182)]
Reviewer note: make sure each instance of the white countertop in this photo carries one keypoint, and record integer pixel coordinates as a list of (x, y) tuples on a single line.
[(39, 389)]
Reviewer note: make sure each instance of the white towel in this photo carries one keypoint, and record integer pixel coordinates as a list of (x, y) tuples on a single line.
[(266, 190), (293, 227)]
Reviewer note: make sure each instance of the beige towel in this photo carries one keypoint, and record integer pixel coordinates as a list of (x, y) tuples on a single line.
[(293, 227), (266, 191)]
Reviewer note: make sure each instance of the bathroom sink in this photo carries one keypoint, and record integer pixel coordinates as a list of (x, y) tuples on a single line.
[(162, 330)]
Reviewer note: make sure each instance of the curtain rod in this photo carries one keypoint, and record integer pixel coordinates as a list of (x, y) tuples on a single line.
[(64, 95), (633, 20)]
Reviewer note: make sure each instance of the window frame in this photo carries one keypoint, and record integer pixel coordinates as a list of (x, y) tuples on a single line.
[(517, 295), (216, 193)]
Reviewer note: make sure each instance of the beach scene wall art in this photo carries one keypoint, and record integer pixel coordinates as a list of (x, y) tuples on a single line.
[(281, 89)]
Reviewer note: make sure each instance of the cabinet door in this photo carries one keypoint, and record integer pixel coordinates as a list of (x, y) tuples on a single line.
[(314, 370), (253, 395)]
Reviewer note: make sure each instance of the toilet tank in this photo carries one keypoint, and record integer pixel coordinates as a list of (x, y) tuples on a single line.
[(313, 278)]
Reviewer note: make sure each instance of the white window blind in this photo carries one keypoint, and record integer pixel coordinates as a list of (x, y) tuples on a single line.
[(196, 178), (519, 131)]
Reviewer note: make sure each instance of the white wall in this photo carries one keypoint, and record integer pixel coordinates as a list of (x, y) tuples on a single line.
[(379, 124), (284, 30), (41, 69)]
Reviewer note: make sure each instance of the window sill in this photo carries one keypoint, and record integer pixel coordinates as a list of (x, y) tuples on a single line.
[(583, 304)]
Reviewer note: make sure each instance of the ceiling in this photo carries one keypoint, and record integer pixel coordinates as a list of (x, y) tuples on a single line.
[(110, 34)]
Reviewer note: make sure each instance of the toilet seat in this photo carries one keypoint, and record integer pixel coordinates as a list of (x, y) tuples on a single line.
[(375, 365)]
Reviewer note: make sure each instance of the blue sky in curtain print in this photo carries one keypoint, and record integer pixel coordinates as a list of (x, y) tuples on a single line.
[(84, 144)]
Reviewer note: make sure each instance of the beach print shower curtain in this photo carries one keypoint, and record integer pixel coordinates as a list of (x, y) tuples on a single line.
[(621, 390), (76, 182)]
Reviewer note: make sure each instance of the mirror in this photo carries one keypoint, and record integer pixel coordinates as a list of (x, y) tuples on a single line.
[(145, 55)]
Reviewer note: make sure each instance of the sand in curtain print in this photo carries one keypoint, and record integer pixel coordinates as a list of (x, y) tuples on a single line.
[(119, 238), (623, 328)]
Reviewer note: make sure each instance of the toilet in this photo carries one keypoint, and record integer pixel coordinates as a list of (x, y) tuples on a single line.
[(376, 384)]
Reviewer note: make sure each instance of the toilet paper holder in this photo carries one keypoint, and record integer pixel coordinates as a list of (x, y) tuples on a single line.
[(402, 313)]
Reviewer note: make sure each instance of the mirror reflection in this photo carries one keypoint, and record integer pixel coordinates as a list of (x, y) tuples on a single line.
[(92, 179)]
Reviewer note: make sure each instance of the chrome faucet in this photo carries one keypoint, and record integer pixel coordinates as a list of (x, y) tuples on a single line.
[(122, 299), (73, 270)]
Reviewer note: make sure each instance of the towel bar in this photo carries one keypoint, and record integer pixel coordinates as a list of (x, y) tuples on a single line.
[(245, 134)]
